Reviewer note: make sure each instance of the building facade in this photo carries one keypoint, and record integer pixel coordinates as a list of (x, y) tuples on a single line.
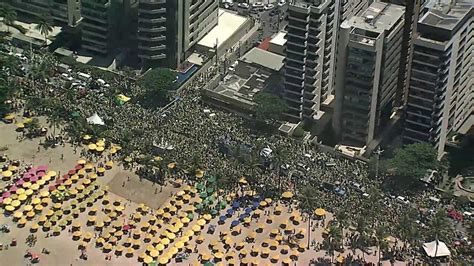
[(169, 29), (441, 90), (309, 57), (367, 74), (62, 12)]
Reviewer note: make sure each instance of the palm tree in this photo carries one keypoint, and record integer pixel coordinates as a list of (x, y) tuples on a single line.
[(362, 234), (438, 226), (44, 26), (333, 239), (8, 14), (380, 234), (280, 156)]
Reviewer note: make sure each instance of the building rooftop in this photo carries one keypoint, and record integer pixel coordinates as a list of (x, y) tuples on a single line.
[(306, 3), (377, 18), (264, 58), (254, 72), (279, 38), (447, 15), (228, 24)]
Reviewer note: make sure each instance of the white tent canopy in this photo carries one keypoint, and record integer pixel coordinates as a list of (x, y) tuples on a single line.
[(95, 120), (436, 249)]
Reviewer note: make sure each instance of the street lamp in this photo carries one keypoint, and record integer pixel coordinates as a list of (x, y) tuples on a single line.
[(377, 152)]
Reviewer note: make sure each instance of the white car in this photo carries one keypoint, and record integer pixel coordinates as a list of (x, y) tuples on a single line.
[(66, 77), (244, 5), (257, 5), (268, 7), (281, 3)]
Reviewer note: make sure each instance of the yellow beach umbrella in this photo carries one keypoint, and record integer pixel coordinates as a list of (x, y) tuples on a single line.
[(16, 203), (35, 186), (29, 192), (34, 226), (20, 191), (9, 208), (7, 201), (320, 212), (44, 193), (160, 247), (7, 174), (147, 259), (22, 197), (18, 215), (36, 201), (287, 195), (28, 208), (163, 260), (92, 146), (30, 214)]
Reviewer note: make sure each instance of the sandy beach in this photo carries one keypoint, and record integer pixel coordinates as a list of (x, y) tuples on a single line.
[(281, 236)]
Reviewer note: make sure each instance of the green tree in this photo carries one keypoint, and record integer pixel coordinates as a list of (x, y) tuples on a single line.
[(439, 227), (269, 107), (44, 26), (157, 83), (411, 162), (8, 14), (333, 240), (308, 198), (381, 233), (279, 157)]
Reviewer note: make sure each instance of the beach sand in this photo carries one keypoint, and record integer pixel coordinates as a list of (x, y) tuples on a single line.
[(64, 250)]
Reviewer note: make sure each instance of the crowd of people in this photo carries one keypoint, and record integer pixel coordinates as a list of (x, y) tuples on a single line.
[(187, 132)]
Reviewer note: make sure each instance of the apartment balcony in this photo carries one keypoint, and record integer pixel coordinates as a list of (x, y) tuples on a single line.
[(292, 18), (295, 67), (152, 57), (151, 38), (95, 34), (99, 27), (294, 74), (151, 20), (152, 47), (294, 83), (153, 29), (94, 48), (290, 49), (152, 11), (300, 36), (297, 26), (89, 39), (292, 97)]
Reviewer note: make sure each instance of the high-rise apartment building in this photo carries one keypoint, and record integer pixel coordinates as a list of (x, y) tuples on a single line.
[(98, 25), (106, 24), (441, 90), (349, 8), (412, 12), (63, 12), (309, 62), (168, 29), (368, 59)]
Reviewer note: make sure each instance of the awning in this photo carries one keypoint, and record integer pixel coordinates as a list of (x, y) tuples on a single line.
[(95, 120), (436, 249)]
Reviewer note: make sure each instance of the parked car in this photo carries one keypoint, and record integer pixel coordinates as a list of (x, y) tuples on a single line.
[(268, 7), (244, 5), (281, 3)]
